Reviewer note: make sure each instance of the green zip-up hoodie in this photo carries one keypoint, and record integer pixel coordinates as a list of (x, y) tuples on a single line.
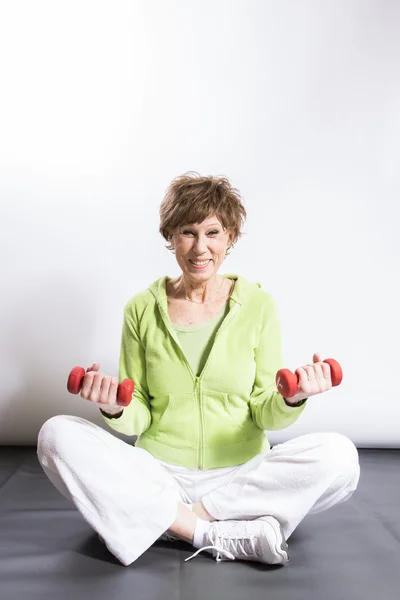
[(218, 418)]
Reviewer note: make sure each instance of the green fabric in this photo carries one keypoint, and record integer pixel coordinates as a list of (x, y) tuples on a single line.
[(217, 418), (197, 341)]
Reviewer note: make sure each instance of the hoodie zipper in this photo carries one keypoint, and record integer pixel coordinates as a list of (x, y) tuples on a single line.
[(198, 378), (201, 424)]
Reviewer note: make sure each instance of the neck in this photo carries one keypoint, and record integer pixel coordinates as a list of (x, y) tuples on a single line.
[(197, 292)]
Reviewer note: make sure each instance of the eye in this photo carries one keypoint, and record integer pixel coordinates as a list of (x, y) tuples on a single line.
[(189, 231)]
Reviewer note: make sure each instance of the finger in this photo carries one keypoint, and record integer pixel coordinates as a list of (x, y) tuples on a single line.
[(319, 383), (326, 370), (104, 389), (315, 384), (310, 370), (96, 386), (319, 377), (113, 390), (87, 385), (304, 383)]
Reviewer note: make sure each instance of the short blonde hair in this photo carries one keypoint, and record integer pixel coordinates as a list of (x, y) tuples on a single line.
[(191, 198)]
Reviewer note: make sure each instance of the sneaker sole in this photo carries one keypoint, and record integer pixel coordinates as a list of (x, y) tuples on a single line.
[(281, 548)]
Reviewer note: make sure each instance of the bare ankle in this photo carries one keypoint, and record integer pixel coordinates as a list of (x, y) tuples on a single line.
[(185, 523), (202, 512)]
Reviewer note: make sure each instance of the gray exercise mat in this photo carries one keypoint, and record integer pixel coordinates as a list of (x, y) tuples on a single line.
[(48, 551)]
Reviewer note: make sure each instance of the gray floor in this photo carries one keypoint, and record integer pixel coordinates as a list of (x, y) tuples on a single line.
[(47, 550)]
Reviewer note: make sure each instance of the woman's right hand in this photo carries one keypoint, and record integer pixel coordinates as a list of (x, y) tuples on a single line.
[(100, 389)]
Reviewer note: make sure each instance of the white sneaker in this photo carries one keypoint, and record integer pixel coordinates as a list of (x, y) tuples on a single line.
[(260, 540)]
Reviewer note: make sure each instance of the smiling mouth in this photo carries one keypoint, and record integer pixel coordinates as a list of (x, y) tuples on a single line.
[(200, 263)]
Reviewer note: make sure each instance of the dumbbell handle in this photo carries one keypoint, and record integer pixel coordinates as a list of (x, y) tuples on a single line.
[(287, 382), (124, 393)]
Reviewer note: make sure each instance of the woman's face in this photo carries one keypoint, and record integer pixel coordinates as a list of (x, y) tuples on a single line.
[(207, 241)]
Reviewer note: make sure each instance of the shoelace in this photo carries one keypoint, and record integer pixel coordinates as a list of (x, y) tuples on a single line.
[(223, 543)]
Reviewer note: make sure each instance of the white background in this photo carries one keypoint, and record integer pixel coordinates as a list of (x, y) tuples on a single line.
[(102, 104)]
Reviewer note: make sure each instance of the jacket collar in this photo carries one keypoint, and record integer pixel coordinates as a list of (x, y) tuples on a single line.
[(242, 289)]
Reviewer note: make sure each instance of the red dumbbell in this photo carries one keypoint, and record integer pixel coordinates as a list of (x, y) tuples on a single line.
[(287, 382), (124, 393)]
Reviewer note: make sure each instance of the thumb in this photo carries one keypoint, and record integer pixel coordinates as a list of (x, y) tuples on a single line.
[(94, 367), (317, 357)]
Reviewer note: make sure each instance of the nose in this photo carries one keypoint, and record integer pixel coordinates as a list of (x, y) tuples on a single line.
[(200, 245)]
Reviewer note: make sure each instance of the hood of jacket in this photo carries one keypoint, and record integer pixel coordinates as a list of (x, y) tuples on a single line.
[(241, 293)]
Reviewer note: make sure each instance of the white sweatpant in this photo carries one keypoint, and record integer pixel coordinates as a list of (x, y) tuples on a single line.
[(130, 498)]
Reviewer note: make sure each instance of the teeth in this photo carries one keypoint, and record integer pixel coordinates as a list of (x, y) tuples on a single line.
[(203, 262)]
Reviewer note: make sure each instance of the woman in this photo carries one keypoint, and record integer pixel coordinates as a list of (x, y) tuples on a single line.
[(203, 350)]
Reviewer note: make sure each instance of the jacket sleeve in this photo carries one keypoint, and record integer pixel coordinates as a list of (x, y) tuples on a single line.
[(136, 418), (268, 408)]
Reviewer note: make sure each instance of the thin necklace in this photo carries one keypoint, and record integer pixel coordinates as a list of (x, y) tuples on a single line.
[(209, 300)]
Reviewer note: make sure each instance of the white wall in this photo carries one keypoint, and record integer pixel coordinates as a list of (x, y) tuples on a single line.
[(102, 104)]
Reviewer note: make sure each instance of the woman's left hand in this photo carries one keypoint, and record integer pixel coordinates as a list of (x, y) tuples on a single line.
[(313, 379)]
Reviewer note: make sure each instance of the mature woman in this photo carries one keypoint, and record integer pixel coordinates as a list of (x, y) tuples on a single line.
[(203, 350)]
